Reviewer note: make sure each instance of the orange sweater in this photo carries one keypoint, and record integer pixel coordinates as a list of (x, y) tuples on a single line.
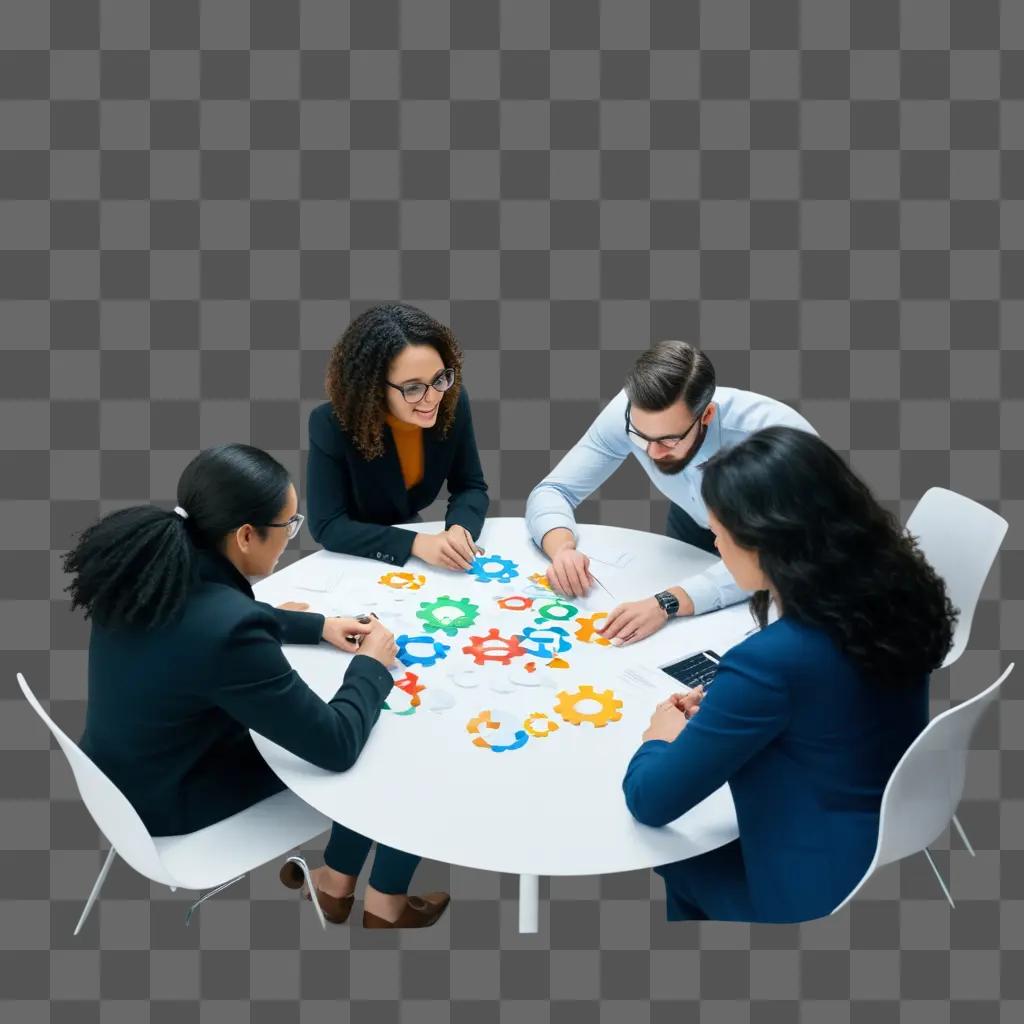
[(409, 442)]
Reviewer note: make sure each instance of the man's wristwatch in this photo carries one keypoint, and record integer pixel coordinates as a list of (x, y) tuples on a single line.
[(668, 601)]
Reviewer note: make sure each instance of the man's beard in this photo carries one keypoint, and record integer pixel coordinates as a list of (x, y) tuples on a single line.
[(671, 468)]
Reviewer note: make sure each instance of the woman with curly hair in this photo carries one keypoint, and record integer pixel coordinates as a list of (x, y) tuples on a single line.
[(397, 426), (808, 717)]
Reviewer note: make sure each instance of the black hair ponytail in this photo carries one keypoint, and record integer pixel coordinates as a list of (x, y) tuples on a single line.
[(133, 568)]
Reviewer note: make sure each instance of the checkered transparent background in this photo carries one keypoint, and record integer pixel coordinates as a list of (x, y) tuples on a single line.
[(195, 200)]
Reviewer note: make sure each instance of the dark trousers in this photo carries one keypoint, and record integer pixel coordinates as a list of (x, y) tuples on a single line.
[(392, 869), (712, 886), (682, 526)]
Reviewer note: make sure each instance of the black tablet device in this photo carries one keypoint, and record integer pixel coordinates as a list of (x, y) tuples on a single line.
[(697, 669)]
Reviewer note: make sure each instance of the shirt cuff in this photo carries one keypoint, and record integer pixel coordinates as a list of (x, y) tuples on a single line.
[(702, 592), (544, 523)]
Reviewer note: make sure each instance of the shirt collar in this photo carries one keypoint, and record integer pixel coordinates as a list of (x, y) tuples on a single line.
[(213, 567)]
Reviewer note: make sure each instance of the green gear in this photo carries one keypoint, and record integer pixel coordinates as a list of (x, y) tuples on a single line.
[(447, 614)]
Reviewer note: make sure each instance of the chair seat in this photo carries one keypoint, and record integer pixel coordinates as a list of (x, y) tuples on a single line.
[(241, 843)]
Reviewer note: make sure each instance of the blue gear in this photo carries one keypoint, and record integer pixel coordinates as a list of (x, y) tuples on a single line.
[(508, 571), (539, 641), (426, 660)]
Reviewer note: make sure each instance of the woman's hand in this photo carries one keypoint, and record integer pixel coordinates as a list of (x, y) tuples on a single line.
[(294, 606), (338, 630), (632, 621), (670, 716), (379, 644), (451, 549)]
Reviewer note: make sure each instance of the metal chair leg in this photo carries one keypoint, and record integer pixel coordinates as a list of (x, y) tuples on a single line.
[(213, 892), (100, 879), (304, 868), (963, 836), (928, 854)]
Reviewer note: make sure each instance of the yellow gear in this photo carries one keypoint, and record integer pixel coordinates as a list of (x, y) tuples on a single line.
[(609, 712), (541, 580), (551, 726)]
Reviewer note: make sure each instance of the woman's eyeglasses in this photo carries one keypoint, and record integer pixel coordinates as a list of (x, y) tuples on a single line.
[(293, 525), (413, 393)]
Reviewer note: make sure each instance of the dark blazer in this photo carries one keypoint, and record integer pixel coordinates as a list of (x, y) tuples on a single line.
[(169, 709), (353, 502), (807, 745)]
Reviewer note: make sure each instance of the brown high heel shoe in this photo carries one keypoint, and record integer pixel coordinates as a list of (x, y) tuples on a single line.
[(418, 912), (335, 908)]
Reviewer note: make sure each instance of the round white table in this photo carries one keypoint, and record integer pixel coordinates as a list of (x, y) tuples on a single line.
[(549, 805)]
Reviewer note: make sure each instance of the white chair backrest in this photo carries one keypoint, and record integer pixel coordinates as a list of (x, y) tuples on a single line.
[(927, 783), (961, 539), (110, 809)]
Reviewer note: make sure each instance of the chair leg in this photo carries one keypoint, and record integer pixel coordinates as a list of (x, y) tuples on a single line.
[(304, 868), (963, 835), (100, 879), (213, 892), (928, 854)]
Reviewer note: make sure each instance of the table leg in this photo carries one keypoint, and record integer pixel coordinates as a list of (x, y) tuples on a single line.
[(529, 903)]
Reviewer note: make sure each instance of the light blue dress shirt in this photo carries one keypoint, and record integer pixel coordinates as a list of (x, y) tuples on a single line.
[(604, 447)]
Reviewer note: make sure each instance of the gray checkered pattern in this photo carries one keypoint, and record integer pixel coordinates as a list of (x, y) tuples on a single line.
[(194, 201)]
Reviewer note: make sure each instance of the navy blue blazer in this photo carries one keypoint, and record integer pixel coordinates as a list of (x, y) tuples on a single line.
[(170, 709), (807, 745), (353, 503)]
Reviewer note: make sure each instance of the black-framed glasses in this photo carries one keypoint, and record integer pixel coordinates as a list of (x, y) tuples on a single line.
[(292, 525), (669, 441), (413, 393)]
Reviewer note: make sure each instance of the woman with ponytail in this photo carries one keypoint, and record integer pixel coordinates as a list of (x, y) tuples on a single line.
[(184, 661), (807, 718)]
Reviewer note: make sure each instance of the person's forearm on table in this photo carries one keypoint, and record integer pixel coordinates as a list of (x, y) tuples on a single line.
[(557, 540)]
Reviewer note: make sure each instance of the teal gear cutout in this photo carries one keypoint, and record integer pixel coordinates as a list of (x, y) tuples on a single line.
[(465, 614), (540, 641), (407, 658), (505, 574), (567, 611)]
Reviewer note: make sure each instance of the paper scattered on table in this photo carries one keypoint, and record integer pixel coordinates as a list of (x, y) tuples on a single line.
[(649, 681), (608, 556), (321, 578), (468, 678), (437, 700), (500, 683)]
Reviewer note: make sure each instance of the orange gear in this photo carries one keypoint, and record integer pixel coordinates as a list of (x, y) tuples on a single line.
[(515, 603), (403, 580), (541, 580), (550, 725), (473, 726), (587, 633), (494, 647)]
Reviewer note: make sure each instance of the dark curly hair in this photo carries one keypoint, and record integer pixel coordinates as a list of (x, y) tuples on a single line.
[(358, 366), (836, 558), (133, 568)]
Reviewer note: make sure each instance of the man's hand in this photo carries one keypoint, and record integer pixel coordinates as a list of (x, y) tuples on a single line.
[(632, 621), (451, 549), (569, 572)]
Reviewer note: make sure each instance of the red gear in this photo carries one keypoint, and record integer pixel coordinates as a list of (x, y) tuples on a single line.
[(494, 647)]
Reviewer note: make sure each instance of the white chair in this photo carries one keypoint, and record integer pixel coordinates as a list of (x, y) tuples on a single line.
[(212, 858), (961, 539), (925, 788)]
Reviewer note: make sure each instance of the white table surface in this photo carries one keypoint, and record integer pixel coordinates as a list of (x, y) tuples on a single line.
[(554, 806)]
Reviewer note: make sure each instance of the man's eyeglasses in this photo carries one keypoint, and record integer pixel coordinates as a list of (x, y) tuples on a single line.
[(669, 441), (292, 525), (413, 393)]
